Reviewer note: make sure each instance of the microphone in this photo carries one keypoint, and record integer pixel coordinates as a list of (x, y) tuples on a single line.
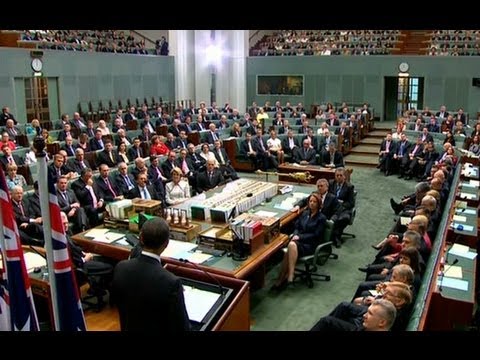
[(444, 272), (210, 276)]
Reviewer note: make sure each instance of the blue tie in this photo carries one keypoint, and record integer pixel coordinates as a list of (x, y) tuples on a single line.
[(338, 191), (401, 148)]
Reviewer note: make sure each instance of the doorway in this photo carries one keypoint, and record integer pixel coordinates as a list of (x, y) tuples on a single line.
[(401, 94), (36, 99)]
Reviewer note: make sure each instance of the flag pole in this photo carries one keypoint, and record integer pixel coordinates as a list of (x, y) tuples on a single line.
[(5, 324), (39, 144)]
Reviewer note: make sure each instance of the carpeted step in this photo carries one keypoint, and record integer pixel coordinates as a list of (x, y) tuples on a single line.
[(365, 149), (361, 160), (371, 141), (378, 133)]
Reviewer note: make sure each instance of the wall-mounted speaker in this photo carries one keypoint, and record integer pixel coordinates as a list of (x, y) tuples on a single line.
[(476, 82)]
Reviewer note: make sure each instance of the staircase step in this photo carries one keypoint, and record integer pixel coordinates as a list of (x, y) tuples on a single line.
[(360, 160), (378, 133), (365, 149), (371, 141)]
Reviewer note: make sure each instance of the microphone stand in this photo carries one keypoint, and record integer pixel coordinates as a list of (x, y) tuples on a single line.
[(440, 288), (210, 276)]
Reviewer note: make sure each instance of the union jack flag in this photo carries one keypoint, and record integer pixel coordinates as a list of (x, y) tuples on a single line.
[(15, 291), (70, 310)]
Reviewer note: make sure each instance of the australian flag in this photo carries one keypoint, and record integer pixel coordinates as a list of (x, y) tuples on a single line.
[(16, 301), (70, 313)]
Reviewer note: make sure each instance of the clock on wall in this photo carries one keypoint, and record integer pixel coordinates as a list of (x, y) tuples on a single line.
[(37, 64), (403, 67)]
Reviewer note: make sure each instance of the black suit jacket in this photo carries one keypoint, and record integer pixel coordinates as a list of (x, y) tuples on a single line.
[(16, 158), (65, 205), (122, 184), (104, 158), (19, 217), (224, 154), (82, 193), (204, 183), (337, 158), (330, 205), (95, 145), (346, 195), (149, 298), (135, 193), (103, 190), (69, 149), (132, 153), (77, 167), (34, 206)]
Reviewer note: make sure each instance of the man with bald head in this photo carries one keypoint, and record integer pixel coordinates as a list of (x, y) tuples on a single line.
[(210, 178)]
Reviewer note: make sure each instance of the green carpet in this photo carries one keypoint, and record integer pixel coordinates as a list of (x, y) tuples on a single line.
[(300, 308)]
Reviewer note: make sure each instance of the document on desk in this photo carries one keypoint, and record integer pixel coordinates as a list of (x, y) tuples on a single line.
[(459, 218), (33, 261), (454, 271), (96, 233), (198, 302), (468, 196), (405, 220), (175, 248), (457, 249), (264, 213), (466, 211), (454, 283), (198, 257), (475, 183)]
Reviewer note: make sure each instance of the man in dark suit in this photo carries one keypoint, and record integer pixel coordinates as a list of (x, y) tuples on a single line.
[(305, 155), (78, 122), (79, 162), (62, 135), (69, 204), (385, 155), (122, 137), (401, 154), (68, 146), (34, 208), (30, 228), (107, 156), (169, 164), (123, 180), (443, 112), (96, 143), (332, 158), (212, 134), (225, 164), (344, 192), (210, 178), (155, 175), (289, 143), (149, 297), (5, 115), (12, 130), (57, 168), (88, 196), (197, 161), (144, 191), (330, 204), (9, 158), (105, 187), (135, 151)]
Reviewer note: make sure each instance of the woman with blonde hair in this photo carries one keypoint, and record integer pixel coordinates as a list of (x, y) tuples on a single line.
[(177, 190), (14, 179)]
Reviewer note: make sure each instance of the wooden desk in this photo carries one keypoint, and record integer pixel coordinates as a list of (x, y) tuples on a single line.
[(253, 268), (235, 316), (316, 171), (451, 308)]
